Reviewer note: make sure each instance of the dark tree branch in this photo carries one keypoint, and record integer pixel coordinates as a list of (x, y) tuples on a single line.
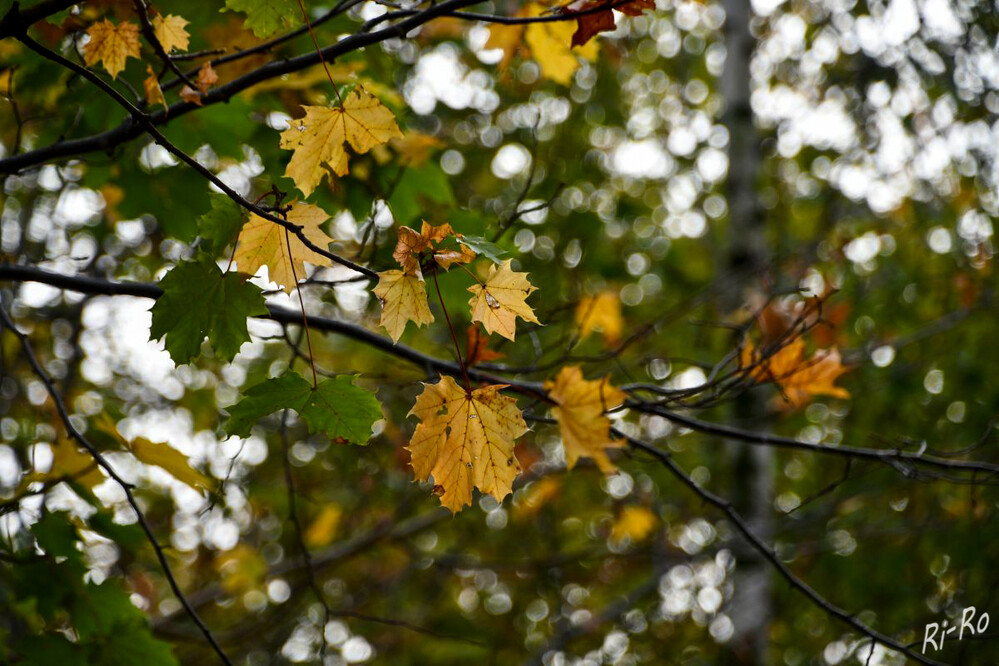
[(263, 47), (765, 439), (18, 19), (902, 461), (768, 553), (131, 129)]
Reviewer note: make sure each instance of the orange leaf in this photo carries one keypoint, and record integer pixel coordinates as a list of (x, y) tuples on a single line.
[(206, 78), (408, 248), (589, 25), (636, 7), (477, 350), (799, 379), (537, 495), (190, 95), (411, 245), (154, 94)]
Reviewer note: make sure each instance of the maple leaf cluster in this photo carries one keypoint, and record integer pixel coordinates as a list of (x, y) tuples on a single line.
[(112, 45), (466, 438), (466, 435), (496, 303)]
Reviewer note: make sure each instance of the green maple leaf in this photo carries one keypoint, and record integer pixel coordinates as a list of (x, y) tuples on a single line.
[(265, 17), (417, 190), (220, 226), (199, 301), (484, 247), (336, 406)]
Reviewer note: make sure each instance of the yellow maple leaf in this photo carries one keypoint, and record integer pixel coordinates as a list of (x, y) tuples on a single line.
[(582, 416), (266, 243), (72, 463), (551, 46), (404, 299), (601, 312), (173, 461), (465, 441), (507, 38), (635, 523), (170, 32), (154, 94), (798, 378), (320, 139), (502, 299), (111, 45)]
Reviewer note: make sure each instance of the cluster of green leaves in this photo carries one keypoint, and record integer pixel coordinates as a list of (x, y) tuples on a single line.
[(51, 602)]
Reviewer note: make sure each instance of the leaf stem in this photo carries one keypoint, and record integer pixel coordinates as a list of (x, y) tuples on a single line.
[(305, 318), (473, 275), (454, 338), (319, 51)]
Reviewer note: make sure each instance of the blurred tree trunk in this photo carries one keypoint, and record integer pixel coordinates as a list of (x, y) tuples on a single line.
[(751, 467)]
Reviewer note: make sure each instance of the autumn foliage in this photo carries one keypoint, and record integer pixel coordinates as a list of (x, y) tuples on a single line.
[(305, 273)]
